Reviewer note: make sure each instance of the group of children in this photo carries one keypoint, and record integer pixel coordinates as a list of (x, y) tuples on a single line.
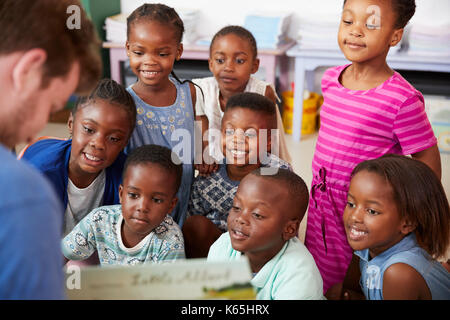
[(129, 197)]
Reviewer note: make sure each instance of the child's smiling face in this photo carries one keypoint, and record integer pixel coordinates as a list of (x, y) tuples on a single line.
[(241, 128), (261, 219), (367, 31), (152, 48), (371, 217), (232, 62), (100, 130)]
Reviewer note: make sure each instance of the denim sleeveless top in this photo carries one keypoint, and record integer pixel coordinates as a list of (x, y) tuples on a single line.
[(406, 251), (172, 127)]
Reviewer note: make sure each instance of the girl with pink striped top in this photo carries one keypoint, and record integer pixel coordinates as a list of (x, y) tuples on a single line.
[(369, 110)]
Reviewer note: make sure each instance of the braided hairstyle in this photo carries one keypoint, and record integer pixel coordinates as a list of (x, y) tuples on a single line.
[(164, 15)]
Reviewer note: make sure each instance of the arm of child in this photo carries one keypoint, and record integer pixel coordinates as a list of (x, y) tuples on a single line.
[(403, 282), (282, 148), (432, 158), (349, 289), (208, 164), (78, 244)]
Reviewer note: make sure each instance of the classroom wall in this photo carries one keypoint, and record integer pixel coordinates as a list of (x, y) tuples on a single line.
[(216, 14)]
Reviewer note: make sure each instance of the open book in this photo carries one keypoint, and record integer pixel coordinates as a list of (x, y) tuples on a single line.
[(180, 280)]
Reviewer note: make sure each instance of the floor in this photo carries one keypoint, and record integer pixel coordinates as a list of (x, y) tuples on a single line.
[(301, 153)]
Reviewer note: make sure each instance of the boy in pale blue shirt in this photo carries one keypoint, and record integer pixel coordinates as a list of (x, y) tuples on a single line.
[(263, 224), (140, 229)]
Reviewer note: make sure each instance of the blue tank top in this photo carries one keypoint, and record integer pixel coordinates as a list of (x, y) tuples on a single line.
[(172, 127), (406, 251)]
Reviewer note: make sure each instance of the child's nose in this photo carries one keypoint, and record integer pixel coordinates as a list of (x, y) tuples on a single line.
[(148, 59), (358, 214), (144, 205), (356, 30), (242, 218), (229, 65), (98, 142)]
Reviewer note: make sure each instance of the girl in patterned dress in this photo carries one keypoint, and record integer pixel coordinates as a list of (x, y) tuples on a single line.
[(165, 112), (369, 110)]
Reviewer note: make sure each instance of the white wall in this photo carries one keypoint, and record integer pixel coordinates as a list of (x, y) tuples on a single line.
[(216, 14)]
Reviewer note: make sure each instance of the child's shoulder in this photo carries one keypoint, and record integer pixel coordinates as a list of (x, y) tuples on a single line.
[(273, 161), (402, 86), (47, 152), (169, 231), (104, 213), (207, 82)]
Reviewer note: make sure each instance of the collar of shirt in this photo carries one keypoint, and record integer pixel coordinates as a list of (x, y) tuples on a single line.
[(260, 279), (405, 244)]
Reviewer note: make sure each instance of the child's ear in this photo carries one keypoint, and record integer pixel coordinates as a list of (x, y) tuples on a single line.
[(172, 206), (255, 65), (28, 72), (396, 37), (70, 123), (179, 51), (120, 193), (407, 227), (291, 229), (210, 64), (127, 47)]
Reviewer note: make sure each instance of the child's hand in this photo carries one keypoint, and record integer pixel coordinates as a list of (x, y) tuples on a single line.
[(206, 169)]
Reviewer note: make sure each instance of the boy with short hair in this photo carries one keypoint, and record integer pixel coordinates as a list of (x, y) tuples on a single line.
[(263, 225), (140, 229), (247, 119)]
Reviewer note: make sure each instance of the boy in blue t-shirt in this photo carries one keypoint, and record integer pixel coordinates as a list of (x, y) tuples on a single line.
[(247, 121), (263, 225), (140, 229)]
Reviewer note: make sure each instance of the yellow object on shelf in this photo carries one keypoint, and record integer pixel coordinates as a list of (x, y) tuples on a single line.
[(311, 102), (288, 111)]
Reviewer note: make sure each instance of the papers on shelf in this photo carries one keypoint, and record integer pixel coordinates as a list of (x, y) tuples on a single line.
[(116, 26), (269, 29), (429, 40), (318, 34)]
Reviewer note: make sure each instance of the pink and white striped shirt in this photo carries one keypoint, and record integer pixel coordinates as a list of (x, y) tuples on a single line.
[(359, 125)]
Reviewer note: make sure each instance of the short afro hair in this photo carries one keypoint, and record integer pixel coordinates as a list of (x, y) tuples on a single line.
[(160, 155)]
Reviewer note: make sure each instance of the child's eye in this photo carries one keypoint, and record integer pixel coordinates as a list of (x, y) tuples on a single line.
[(133, 195), (157, 200), (229, 132), (251, 133), (163, 54), (372, 212), (235, 208), (347, 22), (114, 139), (88, 130), (220, 61), (257, 215), (240, 61), (138, 53), (372, 26), (350, 204)]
